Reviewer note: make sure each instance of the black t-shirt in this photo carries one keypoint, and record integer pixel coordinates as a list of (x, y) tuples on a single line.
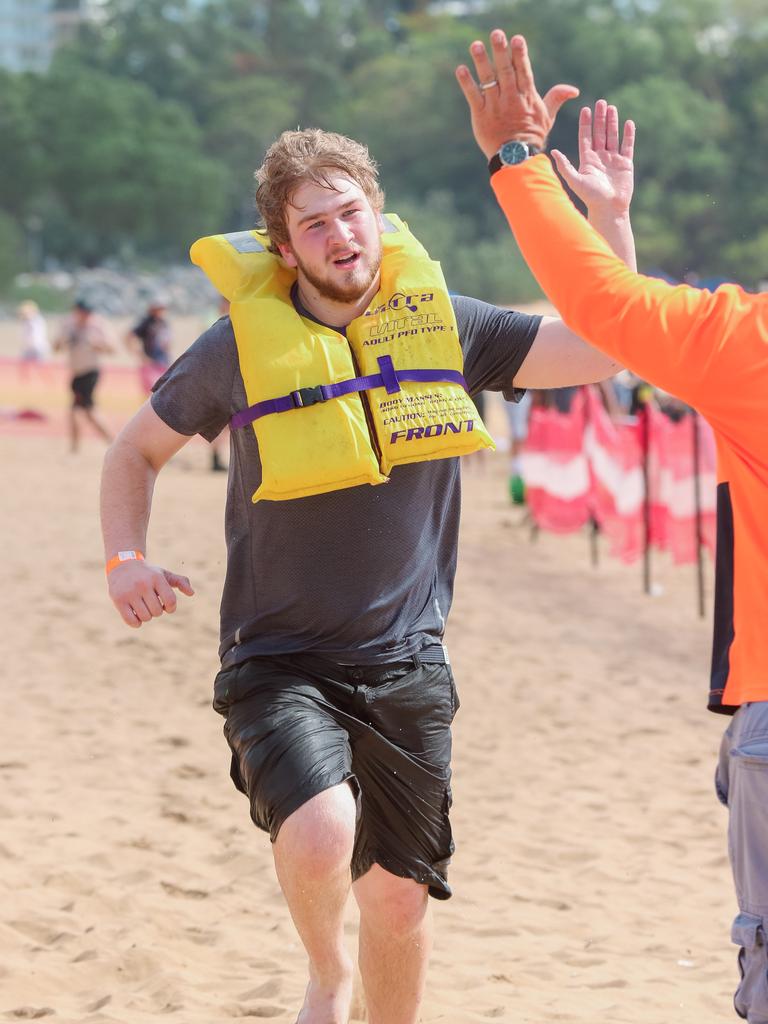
[(154, 333), (363, 575)]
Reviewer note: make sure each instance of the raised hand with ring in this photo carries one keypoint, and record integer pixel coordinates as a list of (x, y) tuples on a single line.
[(514, 111)]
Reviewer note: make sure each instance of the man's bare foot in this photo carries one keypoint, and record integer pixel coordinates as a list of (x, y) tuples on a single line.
[(327, 1004)]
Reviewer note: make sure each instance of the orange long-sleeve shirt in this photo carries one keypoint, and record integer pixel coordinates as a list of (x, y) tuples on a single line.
[(710, 349)]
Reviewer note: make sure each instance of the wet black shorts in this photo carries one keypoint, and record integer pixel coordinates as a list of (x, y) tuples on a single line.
[(298, 725), (82, 389)]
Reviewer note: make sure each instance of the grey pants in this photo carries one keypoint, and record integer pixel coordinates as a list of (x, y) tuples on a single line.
[(741, 782)]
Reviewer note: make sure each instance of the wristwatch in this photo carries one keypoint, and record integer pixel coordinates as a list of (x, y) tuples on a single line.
[(511, 153)]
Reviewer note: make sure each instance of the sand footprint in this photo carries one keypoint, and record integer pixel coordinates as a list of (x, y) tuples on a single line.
[(583, 962), (190, 894), (499, 932), (173, 741), (98, 1004), (268, 990), (41, 933), (190, 771), (31, 1012), (87, 954), (173, 815), (262, 1012), (202, 937)]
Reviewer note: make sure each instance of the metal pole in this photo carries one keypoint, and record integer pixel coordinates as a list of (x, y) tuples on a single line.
[(594, 526), (594, 547), (696, 425), (645, 443)]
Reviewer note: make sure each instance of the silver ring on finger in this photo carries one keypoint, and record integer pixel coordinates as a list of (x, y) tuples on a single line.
[(489, 85)]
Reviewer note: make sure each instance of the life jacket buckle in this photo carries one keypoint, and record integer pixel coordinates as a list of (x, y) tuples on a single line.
[(308, 396)]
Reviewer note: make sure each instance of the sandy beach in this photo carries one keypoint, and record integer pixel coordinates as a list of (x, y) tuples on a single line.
[(591, 879)]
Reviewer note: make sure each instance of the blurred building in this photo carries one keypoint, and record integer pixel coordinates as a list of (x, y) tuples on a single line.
[(30, 30), (27, 34), (68, 15)]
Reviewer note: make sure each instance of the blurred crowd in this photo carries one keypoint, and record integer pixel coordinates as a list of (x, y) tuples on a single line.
[(84, 336)]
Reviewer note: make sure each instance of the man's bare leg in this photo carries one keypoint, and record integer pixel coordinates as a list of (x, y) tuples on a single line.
[(98, 426), (74, 429), (312, 854), (395, 943)]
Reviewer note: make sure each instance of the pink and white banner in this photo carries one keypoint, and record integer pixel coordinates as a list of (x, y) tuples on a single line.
[(556, 470), (582, 465)]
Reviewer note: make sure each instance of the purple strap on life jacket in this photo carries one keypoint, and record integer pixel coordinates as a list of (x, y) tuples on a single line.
[(388, 378)]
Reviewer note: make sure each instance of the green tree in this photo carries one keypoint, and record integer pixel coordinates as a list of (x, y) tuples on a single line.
[(176, 48), (24, 169), (405, 105), (148, 131), (489, 268), (125, 170), (12, 260), (246, 116), (683, 174)]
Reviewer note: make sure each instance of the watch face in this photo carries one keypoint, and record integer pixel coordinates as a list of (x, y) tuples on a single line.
[(513, 152)]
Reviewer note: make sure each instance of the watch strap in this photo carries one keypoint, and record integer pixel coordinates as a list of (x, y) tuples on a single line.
[(495, 163)]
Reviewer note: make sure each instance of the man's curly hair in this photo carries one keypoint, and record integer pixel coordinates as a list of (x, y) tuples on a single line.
[(311, 154)]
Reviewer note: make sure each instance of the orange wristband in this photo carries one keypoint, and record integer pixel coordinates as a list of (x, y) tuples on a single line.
[(123, 556)]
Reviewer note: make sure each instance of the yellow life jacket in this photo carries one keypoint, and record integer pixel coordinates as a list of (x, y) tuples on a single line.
[(331, 411)]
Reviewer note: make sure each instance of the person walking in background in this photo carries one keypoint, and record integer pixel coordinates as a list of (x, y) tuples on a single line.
[(35, 348), (218, 444), (335, 685), (84, 338), (218, 464), (518, 415), (151, 340), (710, 349)]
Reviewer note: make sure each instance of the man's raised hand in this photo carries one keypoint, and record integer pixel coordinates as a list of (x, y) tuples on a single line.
[(605, 177), (503, 102)]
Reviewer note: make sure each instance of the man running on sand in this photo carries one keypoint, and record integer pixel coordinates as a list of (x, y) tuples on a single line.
[(335, 684), (711, 350), (85, 338)]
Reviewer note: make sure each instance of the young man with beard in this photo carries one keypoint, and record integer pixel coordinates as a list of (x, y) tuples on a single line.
[(335, 685)]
